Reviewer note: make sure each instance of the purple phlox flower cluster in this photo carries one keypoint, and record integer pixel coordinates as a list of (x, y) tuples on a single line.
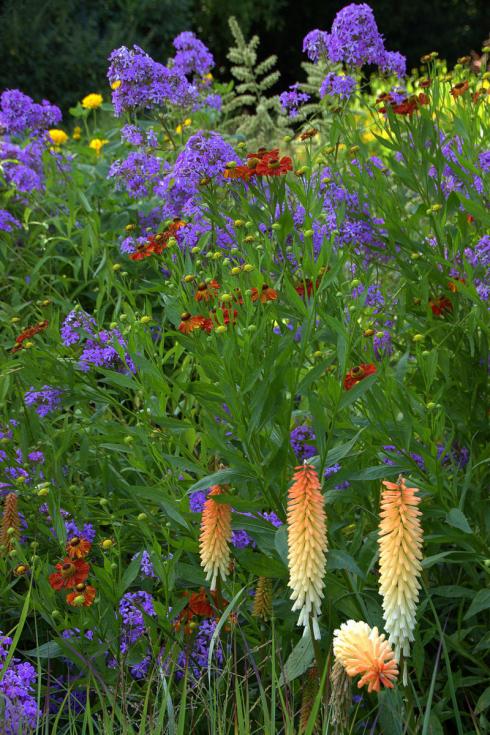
[(197, 500), (332, 470), (8, 222), (19, 113), (292, 100), (45, 401), (195, 658), (484, 161), (22, 165), (71, 633), (479, 258), (301, 439), (390, 449), (134, 135), (204, 156), (18, 704), (352, 219), (354, 39), (213, 101), (146, 566), (338, 85), (13, 465), (192, 56), (382, 344), (87, 531), (271, 518), (315, 45), (141, 669), (139, 172), (76, 326), (240, 539), (99, 349), (140, 82), (455, 454), (132, 608)]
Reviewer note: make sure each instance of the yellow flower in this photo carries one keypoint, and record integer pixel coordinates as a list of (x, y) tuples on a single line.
[(58, 136), (307, 546), (96, 144), (77, 133), (116, 84), (92, 101)]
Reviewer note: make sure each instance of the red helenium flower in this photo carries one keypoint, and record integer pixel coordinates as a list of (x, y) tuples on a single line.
[(358, 373), (70, 573)]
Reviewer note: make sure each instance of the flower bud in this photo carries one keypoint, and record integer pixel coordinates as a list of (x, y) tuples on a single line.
[(221, 329), (15, 319), (226, 261), (226, 297), (142, 517), (107, 543), (238, 223), (145, 319), (355, 283), (318, 354), (116, 266), (123, 317), (252, 328), (418, 338), (56, 615), (308, 233), (195, 250), (43, 492), (217, 255), (171, 242), (103, 502), (235, 271), (78, 601), (431, 406), (128, 439), (248, 267), (368, 333), (276, 226)]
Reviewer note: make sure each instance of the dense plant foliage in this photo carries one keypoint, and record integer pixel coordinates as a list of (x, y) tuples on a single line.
[(244, 382)]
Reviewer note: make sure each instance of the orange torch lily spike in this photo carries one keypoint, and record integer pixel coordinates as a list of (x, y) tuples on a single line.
[(400, 553), (307, 545), (215, 537)]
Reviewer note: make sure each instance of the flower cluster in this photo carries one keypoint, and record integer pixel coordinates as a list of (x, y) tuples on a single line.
[(45, 401), (72, 573), (19, 707)]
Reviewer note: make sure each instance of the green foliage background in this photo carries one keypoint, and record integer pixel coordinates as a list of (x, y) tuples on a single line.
[(58, 49)]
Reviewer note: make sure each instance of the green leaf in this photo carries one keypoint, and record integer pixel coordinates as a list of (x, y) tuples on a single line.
[(457, 519), (51, 649), (281, 543), (483, 702), (261, 565), (390, 708), (299, 660), (481, 601), (357, 391), (221, 477), (337, 559)]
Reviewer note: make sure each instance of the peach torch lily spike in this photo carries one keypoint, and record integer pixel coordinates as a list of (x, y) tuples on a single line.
[(363, 650), (215, 537), (400, 553), (307, 546)]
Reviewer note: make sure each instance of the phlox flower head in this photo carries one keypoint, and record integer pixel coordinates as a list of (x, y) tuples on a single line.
[(8, 222), (45, 401), (192, 56), (338, 85), (19, 113), (292, 100)]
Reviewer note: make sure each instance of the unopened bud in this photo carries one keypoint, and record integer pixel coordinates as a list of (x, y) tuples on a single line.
[(248, 267), (418, 338), (116, 266), (107, 543), (221, 329), (235, 271), (142, 517)]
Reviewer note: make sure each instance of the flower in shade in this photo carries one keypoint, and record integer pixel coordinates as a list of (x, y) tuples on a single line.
[(307, 545), (78, 547), (70, 572), (440, 306), (92, 101), (46, 400), (362, 650), (215, 537), (400, 551), (7, 221), (358, 373), (82, 596)]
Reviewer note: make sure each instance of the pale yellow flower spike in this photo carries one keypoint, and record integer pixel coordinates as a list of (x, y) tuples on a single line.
[(400, 553), (307, 546), (362, 650), (215, 537)]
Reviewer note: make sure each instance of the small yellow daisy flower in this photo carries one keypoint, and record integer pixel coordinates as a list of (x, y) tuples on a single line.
[(92, 101), (58, 136), (97, 144)]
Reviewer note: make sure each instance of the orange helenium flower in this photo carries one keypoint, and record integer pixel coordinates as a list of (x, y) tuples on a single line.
[(70, 572), (265, 294), (77, 547), (215, 535), (307, 545), (362, 650), (82, 596), (400, 553)]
